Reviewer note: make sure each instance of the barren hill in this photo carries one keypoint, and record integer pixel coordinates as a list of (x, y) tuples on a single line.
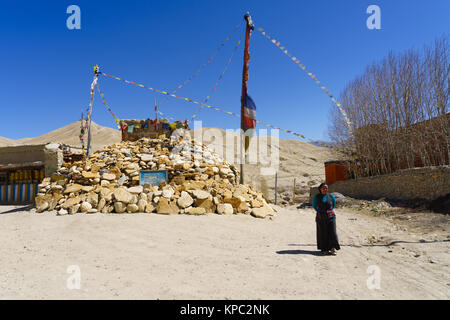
[(5, 142), (298, 160), (69, 134)]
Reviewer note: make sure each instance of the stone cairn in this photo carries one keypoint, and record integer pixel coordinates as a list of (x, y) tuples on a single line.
[(199, 182)]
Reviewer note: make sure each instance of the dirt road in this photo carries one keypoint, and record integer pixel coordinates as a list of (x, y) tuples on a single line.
[(150, 256)]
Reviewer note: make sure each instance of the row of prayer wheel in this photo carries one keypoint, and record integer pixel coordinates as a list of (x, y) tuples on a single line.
[(26, 176)]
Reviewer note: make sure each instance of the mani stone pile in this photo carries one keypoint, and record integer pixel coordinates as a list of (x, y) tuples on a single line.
[(199, 182)]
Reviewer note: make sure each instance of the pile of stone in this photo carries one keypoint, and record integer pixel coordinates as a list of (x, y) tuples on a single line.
[(199, 182)]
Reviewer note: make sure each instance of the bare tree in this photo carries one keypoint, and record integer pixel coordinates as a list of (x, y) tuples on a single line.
[(399, 108)]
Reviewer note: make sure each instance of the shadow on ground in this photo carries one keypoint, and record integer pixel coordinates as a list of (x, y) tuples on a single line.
[(373, 244), (313, 253), (22, 208)]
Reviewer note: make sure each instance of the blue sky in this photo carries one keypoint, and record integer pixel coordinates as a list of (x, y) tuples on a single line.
[(47, 69)]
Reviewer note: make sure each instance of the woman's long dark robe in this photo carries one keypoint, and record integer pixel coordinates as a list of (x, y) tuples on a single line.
[(327, 238)]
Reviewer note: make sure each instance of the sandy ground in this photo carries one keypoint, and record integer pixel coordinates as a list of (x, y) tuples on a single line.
[(150, 256)]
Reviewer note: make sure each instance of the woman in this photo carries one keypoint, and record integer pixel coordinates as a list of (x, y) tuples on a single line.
[(324, 203)]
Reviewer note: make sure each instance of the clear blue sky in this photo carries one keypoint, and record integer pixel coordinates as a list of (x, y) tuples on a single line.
[(46, 69)]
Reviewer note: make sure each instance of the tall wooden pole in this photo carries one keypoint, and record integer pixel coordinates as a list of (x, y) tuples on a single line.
[(293, 194), (276, 186), (248, 31), (94, 83)]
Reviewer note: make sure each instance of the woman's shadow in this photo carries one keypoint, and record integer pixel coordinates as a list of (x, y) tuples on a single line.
[(313, 253)]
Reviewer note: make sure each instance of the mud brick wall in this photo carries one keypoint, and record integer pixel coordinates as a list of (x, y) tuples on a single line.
[(418, 183), (49, 154)]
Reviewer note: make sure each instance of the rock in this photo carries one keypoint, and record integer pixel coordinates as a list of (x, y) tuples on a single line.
[(106, 194), (71, 202), (195, 211), (122, 195), (136, 190), (74, 209), (108, 176), (259, 212), (73, 188), (92, 198), (62, 212), (255, 204), (93, 210), (122, 180), (134, 199), (242, 208), (185, 200), (85, 206), (101, 204), (141, 205), (132, 208), (147, 157), (207, 204), (338, 195), (224, 208), (104, 183), (235, 202), (87, 188), (149, 208), (89, 175), (165, 207), (119, 207), (201, 194), (168, 193)]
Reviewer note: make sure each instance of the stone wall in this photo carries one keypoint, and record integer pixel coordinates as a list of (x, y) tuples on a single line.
[(418, 183), (50, 155)]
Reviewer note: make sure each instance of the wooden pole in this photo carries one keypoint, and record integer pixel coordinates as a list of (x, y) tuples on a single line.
[(276, 182), (293, 194), (90, 110), (248, 30)]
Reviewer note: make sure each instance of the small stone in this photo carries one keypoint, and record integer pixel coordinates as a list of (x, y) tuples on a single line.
[(168, 193), (132, 208), (147, 157), (119, 207), (165, 207), (141, 205), (122, 195), (85, 206), (92, 210), (71, 202), (73, 188), (62, 212), (224, 208), (195, 211), (89, 175), (74, 209), (101, 204), (122, 180), (87, 188), (104, 183), (108, 176), (201, 194), (255, 204), (259, 212), (136, 190), (149, 208), (185, 200)]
